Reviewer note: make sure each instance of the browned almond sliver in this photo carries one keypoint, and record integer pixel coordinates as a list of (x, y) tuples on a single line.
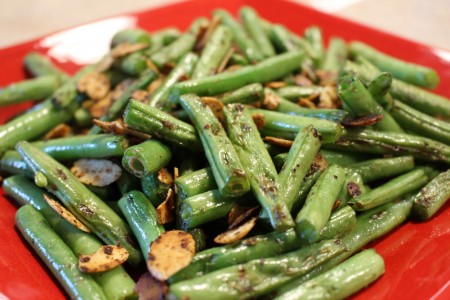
[(240, 214), (95, 84), (96, 172), (276, 84), (150, 288), (225, 60), (278, 141), (164, 176), (166, 210), (236, 234), (106, 258), (117, 127), (65, 214), (366, 120), (127, 48), (259, 120), (215, 105), (60, 131), (270, 101), (169, 253)]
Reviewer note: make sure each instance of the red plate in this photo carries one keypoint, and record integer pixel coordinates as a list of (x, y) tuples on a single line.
[(417, 256)]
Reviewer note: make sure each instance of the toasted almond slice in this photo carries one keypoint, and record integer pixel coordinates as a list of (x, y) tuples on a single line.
[(105, 63), (155, 84), (126, 48), (235, 234), (215, 105), (225, 60), (65, 214), (327, 77), (201, 42), (153, 67), (150, 288), (95, 84), (100, 107), (259, 120), (276, 84), (61, 130), (165, 177), (96, 172), (302, 80), (176, 173), (232, 68), (166, 210), (306, 102), (278, 141), (170, 252), (270, 101), (106, 258), (366, 120), (120, 129), (235, 212), (244, 216), (140, 95)]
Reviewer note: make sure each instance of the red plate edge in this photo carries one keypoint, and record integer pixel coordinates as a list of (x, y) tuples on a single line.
[(417, 255)]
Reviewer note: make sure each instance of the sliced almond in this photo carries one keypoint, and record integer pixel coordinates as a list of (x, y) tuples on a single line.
[(278, 141), (203, 39), (152, 66), (327, 77), (236, 234), (276, 84), (306, 102), (232, 68), (96, 172), (105, 63), (60, 131), (302, 80), (117, 127), (106, 258), (126, 48), (166, 210), (176, 173), (215, 105), (259, 120), (99, 108), (169, 253), (366, 120), (141, 96), (271, 101), (150, 288), (240, 214), (95, 84), (65, 214), (164, 176), (225, 60), (155, 84)]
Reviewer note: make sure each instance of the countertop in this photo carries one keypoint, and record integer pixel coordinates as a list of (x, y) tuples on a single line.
[(418, 20)]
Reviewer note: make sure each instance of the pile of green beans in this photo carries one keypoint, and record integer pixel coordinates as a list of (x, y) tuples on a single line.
[(223, 127)]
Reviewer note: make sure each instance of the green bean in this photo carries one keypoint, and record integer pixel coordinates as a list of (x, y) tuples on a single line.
[(119, 104), (39, 65), (199, 237), (12, 163), (298, 162), (420, 99), (31, 89), (246, 95), (282, 38), (370, 225), (171, 53), (56, 255), (159, 97), (116, 283), (379, 168), (131, 36), (162, 38), (432, 197), (406, 71), (318, 206), (355, 95), (370, 141), (203, 208), (343, 280), (313, 35), (294, 93), (87, 207), (213, 53), (342, 159), (270, 69), (251, 22), (256, 277), (309, 181), (379, 88), (195, 183), (340, 223), (155, 188), (227, 169), (127, 182), (146, 158), (287, 126), (259, 167), (335, 56), (142, 217), (391, 190), (157, 123), (245, 44), (238, 59), (82, 118), (133, 64), (286, 106), (420, 123)]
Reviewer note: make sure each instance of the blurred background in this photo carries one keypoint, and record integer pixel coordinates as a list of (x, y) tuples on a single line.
[(419, 20)]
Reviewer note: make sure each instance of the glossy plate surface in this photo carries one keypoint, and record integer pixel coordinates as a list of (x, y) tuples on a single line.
[(417, 255)]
